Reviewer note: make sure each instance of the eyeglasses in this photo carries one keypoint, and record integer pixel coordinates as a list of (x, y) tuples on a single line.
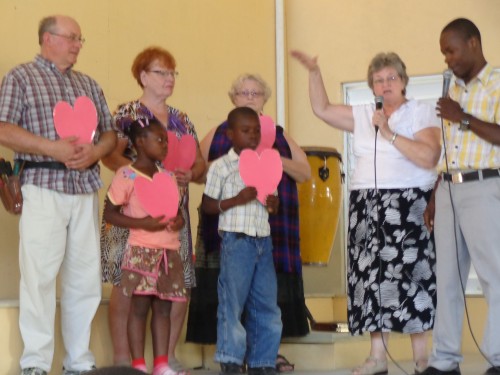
[(388, 80), (252, 93), (70, 38), (165, 73)]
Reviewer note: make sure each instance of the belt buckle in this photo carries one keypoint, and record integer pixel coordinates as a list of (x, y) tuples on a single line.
[(457, 178)]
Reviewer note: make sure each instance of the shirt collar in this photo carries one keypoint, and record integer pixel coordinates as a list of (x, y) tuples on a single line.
[(47, 64), (233, 156), (483, 76)]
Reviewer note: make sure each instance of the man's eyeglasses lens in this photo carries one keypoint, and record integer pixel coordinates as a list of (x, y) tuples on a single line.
[(71, 38)]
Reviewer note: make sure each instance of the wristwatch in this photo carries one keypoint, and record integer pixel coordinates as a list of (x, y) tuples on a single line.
[(465, 123)]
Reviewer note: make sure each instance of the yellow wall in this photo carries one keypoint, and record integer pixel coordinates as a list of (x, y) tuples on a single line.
[(215, 40)]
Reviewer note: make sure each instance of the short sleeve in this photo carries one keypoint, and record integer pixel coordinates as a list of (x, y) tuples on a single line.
[(425, 117), (11, 103), (121, 187), (213, 186), (105, 120)]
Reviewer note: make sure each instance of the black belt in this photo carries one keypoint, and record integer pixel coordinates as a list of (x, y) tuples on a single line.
[(44, 164), (481, 174)]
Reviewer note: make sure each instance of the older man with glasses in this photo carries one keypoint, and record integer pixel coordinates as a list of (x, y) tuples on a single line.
[(59, 223)]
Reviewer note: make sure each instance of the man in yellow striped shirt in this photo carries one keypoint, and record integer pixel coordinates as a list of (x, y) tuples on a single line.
[(467, 198)]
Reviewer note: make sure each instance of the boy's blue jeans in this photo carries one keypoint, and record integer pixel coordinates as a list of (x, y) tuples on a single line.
[(247, 282)]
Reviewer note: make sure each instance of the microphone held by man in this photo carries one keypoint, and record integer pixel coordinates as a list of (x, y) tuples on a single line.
[(447, 75)]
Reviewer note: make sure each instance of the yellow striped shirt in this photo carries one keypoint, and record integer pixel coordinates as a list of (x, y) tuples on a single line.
[(480, 98)]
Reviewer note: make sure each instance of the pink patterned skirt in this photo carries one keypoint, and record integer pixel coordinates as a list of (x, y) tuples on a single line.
[(157, 272)]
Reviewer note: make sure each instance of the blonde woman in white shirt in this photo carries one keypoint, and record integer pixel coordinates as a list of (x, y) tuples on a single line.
[(391, 252)]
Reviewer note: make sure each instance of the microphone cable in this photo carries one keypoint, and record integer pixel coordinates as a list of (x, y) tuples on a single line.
[(377, 234), (455, 237)]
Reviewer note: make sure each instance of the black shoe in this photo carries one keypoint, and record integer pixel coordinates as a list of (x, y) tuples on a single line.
[(261, 371), (231, 368), (493, 371), (434, 371)]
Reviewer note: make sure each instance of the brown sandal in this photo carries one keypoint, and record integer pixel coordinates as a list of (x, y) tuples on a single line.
[(283, 365)]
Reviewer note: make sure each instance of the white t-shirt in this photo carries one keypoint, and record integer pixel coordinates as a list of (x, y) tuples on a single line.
[(394, 170)]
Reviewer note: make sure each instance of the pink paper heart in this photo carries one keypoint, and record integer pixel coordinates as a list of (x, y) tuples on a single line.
[(80, 121), (267, 133), (263, 172), (159, 196), (181, 152)]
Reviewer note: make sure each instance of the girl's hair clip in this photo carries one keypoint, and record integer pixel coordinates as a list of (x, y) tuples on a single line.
[(140, 121)]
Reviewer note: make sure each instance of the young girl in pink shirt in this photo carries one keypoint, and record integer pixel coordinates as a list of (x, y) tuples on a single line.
[(152, 268)]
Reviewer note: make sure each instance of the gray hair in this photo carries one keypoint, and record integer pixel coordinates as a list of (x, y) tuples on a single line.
[(47, 24), (383, 60), (254, 77)]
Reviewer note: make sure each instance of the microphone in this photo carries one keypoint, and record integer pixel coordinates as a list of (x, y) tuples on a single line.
[(379, 103), (447, 74)]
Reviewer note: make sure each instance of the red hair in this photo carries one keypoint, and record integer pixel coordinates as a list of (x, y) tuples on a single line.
[(144, 59)]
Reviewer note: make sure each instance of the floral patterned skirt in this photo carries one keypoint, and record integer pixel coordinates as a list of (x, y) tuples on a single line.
[(391, 262), (156, 272), (113, 244)]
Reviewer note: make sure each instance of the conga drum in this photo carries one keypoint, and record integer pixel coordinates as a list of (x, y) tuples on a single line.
[(319, 205)]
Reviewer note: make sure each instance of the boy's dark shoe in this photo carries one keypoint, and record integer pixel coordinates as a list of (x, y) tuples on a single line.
[(434, 371), (493, 371), (261, 371), (231, 369)]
